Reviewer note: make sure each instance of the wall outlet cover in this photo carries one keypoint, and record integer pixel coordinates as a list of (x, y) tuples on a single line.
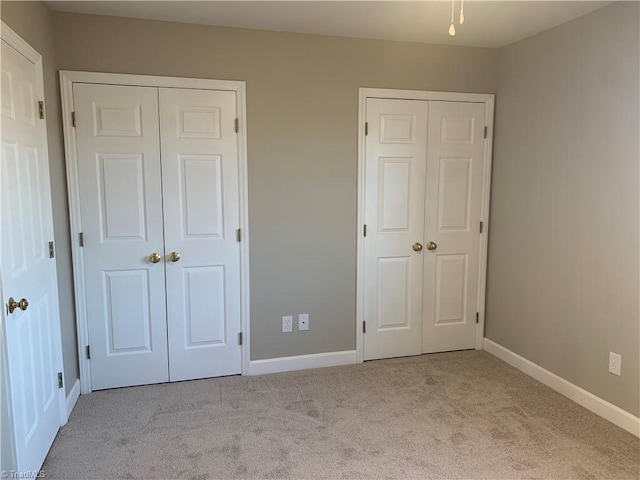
[(303, 321), (287, 324), (615, 363)]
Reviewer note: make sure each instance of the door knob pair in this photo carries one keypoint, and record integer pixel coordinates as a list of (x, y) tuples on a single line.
[(417, 247), (155, 257)]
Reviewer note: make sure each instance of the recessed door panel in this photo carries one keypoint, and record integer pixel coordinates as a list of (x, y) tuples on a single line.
[(118, 150), (113, 120), (451, 289), (201, 215), (201, 195), (205, 306), (34, 212), (122, 198), (8, 97), (454, 194), (198, 122), (394, 194), (397, 128), (393, 293), (127, 316)]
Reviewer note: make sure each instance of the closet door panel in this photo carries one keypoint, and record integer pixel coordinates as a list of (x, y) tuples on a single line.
[(201, 215), (118, 148)]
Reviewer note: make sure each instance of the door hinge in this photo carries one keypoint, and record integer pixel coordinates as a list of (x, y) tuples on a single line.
[(51, 251), (81, 239), (238, 235), (481, 224), (364, 327), (366, 128), (73, 119), (477, 317), (364, 231), (59, 379), (41, 109), (240, 338), (485, 131), (237, 125), (88, 352)]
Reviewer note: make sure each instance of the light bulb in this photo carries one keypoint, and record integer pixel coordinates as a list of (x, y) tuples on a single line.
[(461, 18), (452, 30)]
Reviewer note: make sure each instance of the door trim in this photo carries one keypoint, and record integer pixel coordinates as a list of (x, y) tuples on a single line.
[(67, 79), (363, 95)]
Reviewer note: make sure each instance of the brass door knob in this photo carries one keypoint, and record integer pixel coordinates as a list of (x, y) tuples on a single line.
[(154, 258), (432, 246), (12, 305), (174, 256), (417, 247)]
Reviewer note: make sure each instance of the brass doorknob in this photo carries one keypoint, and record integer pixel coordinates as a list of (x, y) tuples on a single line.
[(432, 246), (417, 247), (13, 305), (174, 256), (154, 258)]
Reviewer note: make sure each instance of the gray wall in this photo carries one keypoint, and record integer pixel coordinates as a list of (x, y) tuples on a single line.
[(302, 97), (563, 259), (34, 23)]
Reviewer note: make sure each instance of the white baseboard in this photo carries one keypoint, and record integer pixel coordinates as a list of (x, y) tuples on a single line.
[(301, 362), (588, 400), (72, 398)]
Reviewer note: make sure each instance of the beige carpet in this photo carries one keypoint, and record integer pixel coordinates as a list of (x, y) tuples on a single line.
[(452, 415)]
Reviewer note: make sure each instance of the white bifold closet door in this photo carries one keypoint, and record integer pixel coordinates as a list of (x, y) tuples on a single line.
[(424, 164), (158, 175)]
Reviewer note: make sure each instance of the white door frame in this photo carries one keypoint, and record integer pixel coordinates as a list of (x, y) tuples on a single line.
[(16, 41), (67, 79), (363, 95)]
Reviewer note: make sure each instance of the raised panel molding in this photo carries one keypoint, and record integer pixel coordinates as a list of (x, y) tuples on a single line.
[(121, 121), (35, 216), (205, 302), (12, 203), (397, 128), (8, 102), (457, 130), (127, 301), (201, 195), (394, 194), (27, 113), (393, 293), (454, 192), (121, 196), (199, 122), (451, 289)]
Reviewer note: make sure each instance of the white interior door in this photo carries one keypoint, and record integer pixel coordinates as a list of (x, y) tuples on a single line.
[(455, 166), (201, 214), (28, 271), (118, 151), (396, 152)]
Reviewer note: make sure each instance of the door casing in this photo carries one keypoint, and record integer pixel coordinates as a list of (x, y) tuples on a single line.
[(67, 79), (363, 95)]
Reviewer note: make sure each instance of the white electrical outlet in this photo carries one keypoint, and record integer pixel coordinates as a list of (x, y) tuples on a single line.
[(303, 321), (615, 363), (287, 324)]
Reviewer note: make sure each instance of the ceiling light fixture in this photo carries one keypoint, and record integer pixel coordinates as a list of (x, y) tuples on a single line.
[(452, 28)]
